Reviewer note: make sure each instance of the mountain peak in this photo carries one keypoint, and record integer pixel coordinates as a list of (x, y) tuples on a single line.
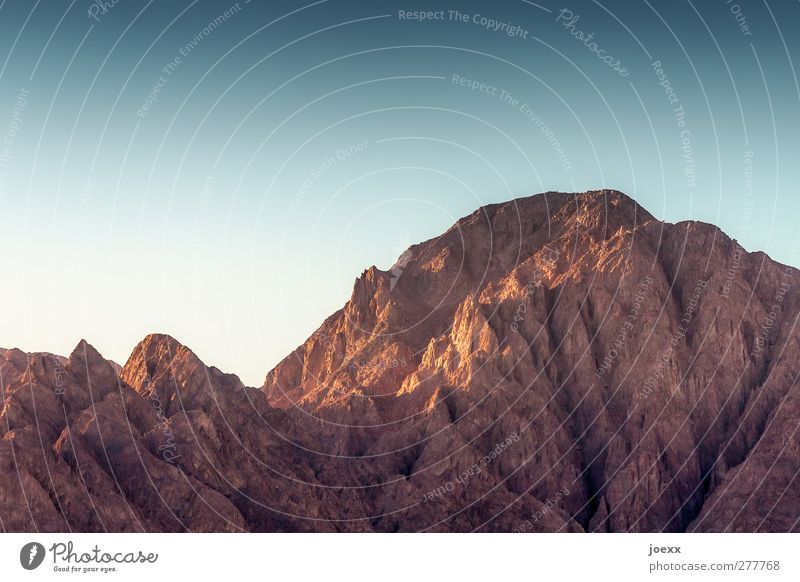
[(494, 252), (564, 356), (85, 361), (156, 356), (551, 303), (593, 206)]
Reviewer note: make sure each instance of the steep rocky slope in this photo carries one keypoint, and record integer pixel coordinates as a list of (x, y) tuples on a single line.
[(556, 363), (166, 445)]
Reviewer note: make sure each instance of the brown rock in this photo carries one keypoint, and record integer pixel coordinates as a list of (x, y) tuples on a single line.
[(563, 362)]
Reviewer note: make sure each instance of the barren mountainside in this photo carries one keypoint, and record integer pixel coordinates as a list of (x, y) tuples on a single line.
[(562, 362)]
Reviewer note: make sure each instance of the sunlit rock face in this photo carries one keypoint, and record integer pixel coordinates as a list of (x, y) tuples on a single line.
[(562, 362)]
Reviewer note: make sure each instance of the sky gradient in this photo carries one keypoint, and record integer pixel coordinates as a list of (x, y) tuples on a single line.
[(222, 171)]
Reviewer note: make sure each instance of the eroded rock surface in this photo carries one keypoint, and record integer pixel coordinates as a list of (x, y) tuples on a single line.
[(563, 362)]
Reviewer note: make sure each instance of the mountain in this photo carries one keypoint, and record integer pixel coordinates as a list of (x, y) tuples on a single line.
[(563, 362)]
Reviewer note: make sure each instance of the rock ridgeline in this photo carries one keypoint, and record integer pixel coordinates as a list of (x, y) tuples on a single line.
[(563, 362)]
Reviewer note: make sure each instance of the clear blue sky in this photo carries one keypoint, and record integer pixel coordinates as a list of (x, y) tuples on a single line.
[(223, 177)]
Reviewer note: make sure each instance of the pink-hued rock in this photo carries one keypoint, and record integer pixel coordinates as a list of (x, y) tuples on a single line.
[(563, 362)]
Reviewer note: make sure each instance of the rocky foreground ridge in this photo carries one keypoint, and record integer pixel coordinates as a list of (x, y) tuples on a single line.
[(562, 362)]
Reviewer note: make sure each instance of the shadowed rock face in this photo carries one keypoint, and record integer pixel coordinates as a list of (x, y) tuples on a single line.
[(556, 363)]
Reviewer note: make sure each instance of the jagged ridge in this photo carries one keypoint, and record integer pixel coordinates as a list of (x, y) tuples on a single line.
[(563, 362)]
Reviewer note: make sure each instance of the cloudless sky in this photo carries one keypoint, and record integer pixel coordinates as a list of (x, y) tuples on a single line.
[(223, 171)]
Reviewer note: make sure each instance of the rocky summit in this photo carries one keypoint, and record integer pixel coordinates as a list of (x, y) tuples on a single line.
[(557, 363)]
